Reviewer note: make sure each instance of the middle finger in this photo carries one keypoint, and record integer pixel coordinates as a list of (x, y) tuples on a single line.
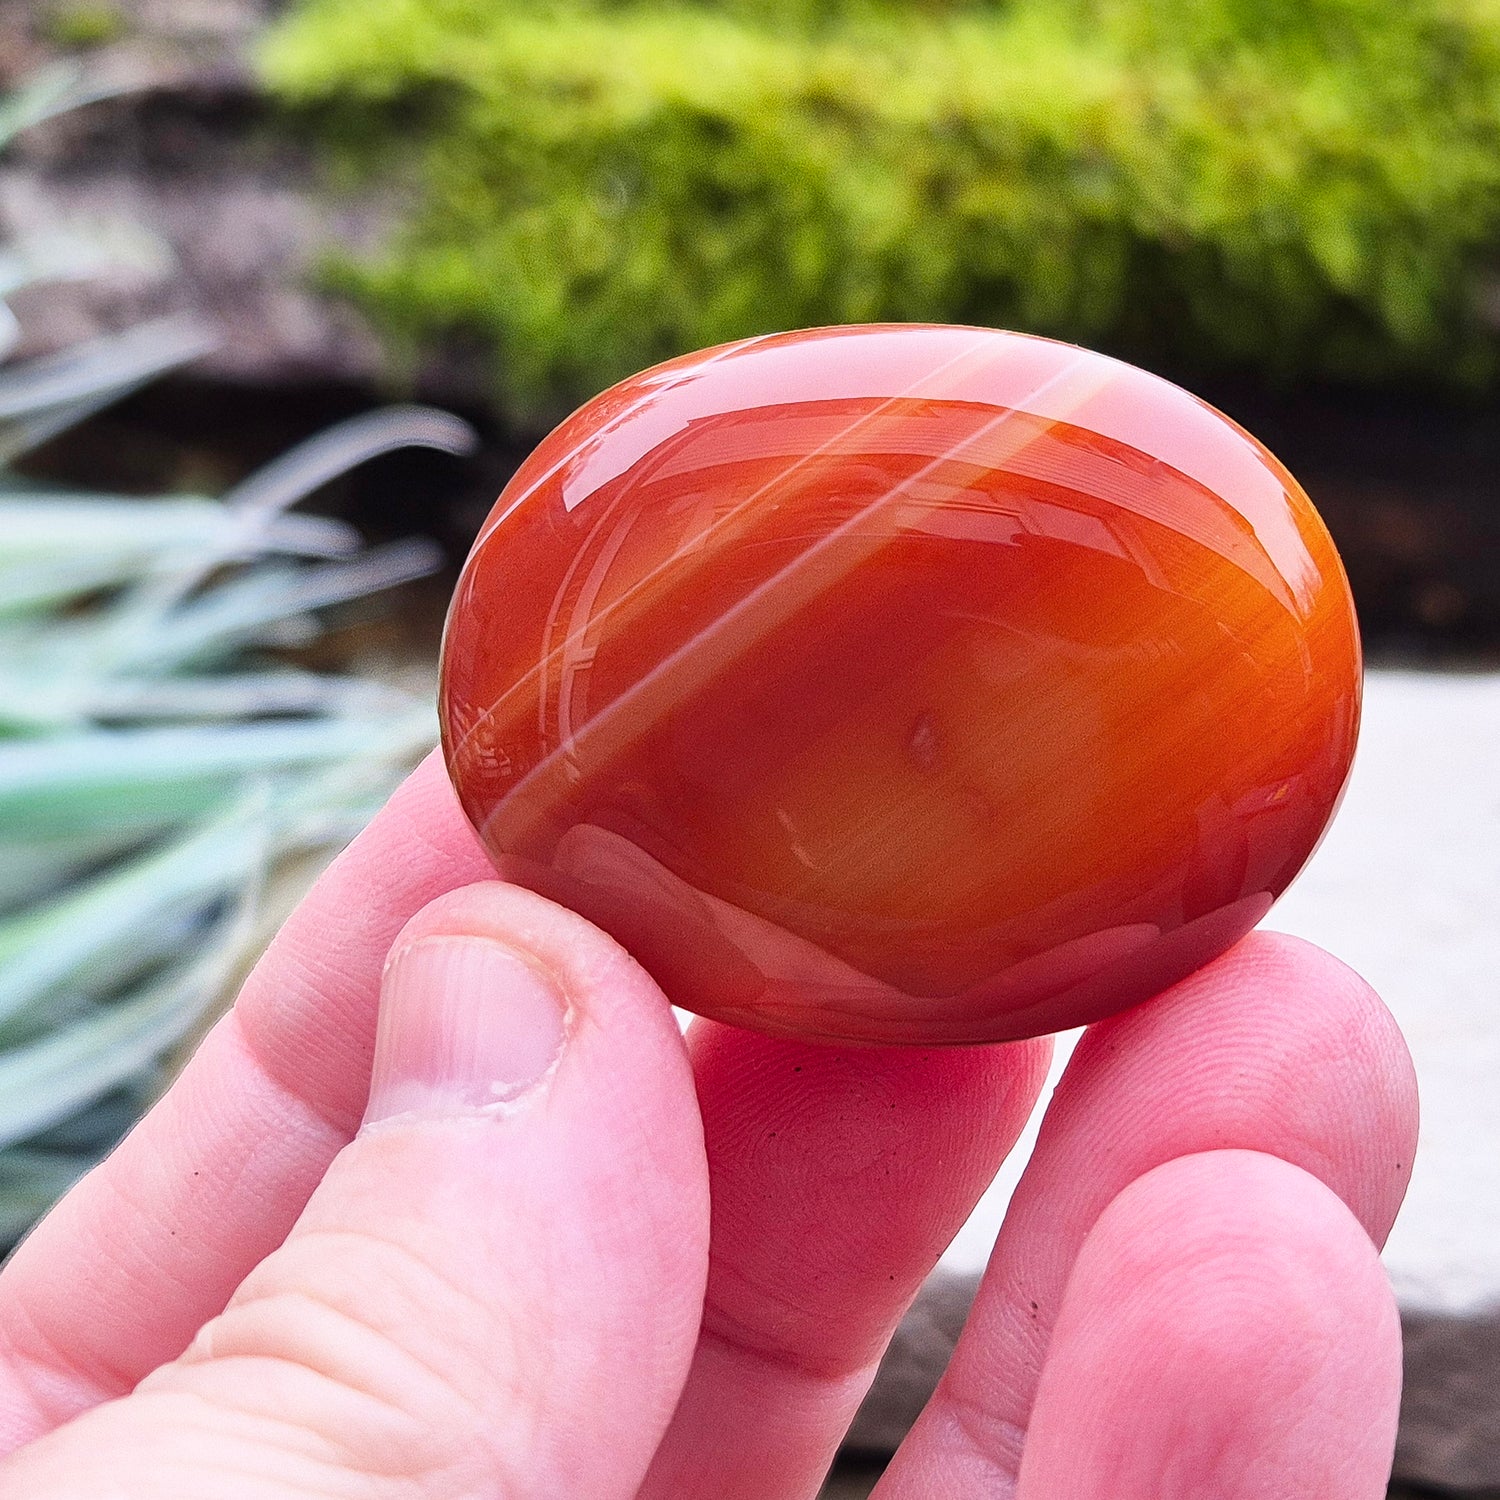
[(837, 1176)]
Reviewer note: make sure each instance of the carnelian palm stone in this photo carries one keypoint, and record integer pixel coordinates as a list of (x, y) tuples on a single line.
[(903, 684)]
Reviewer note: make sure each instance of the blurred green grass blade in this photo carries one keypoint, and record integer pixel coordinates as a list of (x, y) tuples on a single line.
[(32, 867), (57, 954), (37, 1172), (311, 464), (48, 1080), (49, 92), (237, 695), (33, 703), (333, 804), (261, 498), (32, 1181), (103, 367), (238, 612), (45, 396), (39, 524), (54, 90), (90, 937), (139, 781), (63, 677), (93, 936), (100, 1123), (58, 547)]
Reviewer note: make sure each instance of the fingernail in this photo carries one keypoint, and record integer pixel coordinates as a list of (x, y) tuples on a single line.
[(465, 1024)]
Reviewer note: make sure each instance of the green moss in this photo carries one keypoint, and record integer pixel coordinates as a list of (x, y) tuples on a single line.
[(78, 27), (1304, 187)]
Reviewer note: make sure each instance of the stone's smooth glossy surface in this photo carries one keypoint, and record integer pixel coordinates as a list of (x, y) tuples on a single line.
[(903, 684)]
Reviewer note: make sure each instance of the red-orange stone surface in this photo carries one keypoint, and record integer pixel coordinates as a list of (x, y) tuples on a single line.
[(903, 684)]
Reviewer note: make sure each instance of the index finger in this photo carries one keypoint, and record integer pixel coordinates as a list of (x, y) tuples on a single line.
[(150, 1245)]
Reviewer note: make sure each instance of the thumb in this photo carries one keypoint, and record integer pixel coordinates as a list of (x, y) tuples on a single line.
[(497, 1287)]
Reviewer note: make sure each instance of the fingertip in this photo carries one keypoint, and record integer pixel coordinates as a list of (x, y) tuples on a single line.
[(468, 1026), (1194, 1216), (1352, 1021), (596, 973), (811, 1126), (1286, 1048), (1293, 971), (1227, 1330), (622, 1070), (1275, 968)]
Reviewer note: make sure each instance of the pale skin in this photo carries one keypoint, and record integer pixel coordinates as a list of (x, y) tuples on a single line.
[(666, 1268)]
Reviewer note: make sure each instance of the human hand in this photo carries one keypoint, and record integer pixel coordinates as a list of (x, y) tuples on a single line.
[(518, 1291)]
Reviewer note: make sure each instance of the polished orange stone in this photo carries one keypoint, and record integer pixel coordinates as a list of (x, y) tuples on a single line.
[(903, 684)]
